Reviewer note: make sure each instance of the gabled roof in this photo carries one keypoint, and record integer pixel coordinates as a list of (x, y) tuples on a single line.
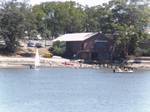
[(75, 37)]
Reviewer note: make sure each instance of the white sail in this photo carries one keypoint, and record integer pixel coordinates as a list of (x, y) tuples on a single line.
[(37, 59)]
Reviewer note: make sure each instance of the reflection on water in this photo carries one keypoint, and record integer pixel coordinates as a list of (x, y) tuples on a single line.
[(73, 90)]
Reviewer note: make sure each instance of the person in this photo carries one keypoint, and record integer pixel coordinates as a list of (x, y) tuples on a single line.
[(114, 70), (30, 66), (74, 56)]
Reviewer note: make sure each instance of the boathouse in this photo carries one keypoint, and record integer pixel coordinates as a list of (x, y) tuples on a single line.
[(88, 46)]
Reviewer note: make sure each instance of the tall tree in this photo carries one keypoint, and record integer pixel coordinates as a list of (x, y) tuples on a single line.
[(61, 17), (16, 21), (11, 24), (128, 23)]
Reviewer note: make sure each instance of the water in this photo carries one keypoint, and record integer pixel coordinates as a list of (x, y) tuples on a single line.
[(73, 90)]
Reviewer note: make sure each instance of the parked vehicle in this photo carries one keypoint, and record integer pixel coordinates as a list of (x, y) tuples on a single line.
[(38, 45), (30, 44)]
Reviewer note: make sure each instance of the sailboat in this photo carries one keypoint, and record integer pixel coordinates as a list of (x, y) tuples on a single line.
[(37, 59)]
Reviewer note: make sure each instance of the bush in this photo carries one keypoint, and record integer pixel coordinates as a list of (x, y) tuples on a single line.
[(27, 54), (47, 55), (142, 52), (146, 52), (58, 48)]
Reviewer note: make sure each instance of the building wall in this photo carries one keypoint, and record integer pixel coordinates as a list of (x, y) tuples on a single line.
[(72, 48), (95, 48), (99, 47)]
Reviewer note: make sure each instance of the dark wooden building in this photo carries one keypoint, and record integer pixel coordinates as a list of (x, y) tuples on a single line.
[(88, 46)]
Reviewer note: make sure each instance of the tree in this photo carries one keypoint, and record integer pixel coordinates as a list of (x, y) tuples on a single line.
[(61, 17), (123, 21), (11, 24), (16, 21), (91, 20), (29, 17)]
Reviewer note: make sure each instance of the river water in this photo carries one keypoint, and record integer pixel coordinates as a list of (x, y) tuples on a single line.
[(73, 90)]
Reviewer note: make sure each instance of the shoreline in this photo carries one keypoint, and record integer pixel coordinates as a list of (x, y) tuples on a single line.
[(13, 62), (141, 66)]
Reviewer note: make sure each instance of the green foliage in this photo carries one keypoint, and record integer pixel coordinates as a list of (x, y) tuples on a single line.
[(16, 18), (33, 34), (29, 17), (46, 34), (125, 21), (58, 48), (142, 52), (60, 17), (11, 24)]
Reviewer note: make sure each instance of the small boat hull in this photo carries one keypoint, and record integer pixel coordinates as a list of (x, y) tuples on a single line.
[(122, 71)]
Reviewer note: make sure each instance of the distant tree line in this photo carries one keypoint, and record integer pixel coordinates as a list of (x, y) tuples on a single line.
[(124, 19)]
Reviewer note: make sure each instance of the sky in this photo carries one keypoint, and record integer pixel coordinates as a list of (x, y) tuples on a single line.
[(83, 2)]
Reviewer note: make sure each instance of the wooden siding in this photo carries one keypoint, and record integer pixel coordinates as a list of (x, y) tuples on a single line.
[(72, 48), (98, 47)]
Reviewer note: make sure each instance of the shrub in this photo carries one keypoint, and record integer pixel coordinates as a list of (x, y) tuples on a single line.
[(138, 52), (58, 48), (146, 52), (27, 54), (47, 55), (142, 52)]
